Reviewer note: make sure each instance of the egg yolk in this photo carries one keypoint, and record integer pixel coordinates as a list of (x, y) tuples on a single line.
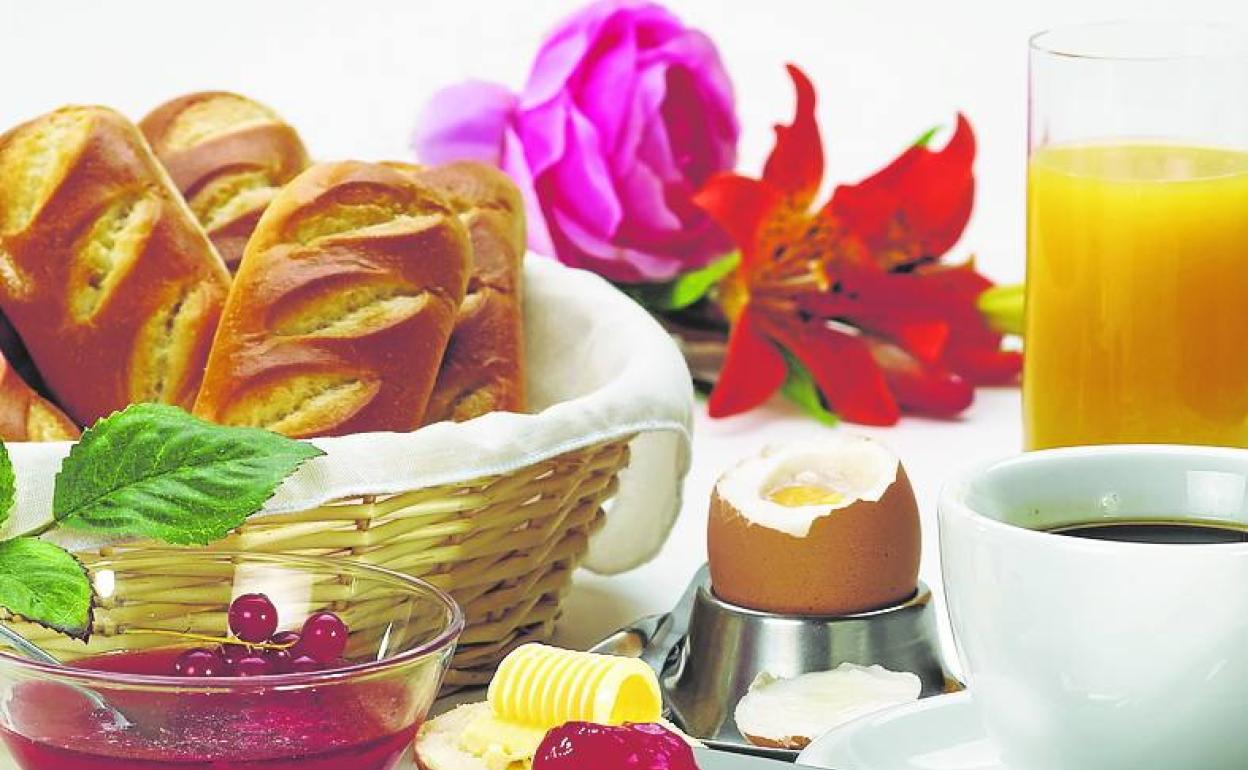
[(797, 495)]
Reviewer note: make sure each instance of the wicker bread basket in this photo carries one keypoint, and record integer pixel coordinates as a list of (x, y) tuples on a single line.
[(498, 511)]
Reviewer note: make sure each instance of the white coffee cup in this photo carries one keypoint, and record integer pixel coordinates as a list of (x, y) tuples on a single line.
[(1087, 654)]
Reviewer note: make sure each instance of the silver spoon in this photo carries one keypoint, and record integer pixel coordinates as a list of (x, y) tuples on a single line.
[(37, 653)]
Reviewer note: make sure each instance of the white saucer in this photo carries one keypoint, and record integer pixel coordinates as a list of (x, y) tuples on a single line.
[(940, 733)]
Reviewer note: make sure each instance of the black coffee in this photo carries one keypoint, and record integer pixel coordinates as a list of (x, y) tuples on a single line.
[(1180, 533)]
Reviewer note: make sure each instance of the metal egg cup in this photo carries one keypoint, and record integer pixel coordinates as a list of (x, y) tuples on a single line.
[(707, 652)]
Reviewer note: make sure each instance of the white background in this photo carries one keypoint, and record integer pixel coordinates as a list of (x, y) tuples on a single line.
[(352, 76)]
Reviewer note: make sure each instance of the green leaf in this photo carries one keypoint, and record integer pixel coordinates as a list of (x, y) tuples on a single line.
[(685, 289), (155, 471), (43, 583), (800, 388), (693, 286), (7, 484), (925, 138), (1002, 307)]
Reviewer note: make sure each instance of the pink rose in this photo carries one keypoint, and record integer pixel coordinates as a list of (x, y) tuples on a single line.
[(626, 113)]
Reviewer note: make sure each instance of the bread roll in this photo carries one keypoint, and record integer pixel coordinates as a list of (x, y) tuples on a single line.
[(104, 271), (18, 357), (229, 155), (27, 416), (483, 370), (341, 308), (437, 743)]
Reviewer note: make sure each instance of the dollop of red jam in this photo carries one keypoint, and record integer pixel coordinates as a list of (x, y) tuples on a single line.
[(581, 745)]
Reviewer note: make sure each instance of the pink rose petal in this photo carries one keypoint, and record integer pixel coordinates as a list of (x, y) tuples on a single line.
[(644, 198), (655, 149), (606, 78), (564, 50), (464, 122), (582, 183), (647, 101), (625, 113), (612, 261), (514, 163), (543, 132)]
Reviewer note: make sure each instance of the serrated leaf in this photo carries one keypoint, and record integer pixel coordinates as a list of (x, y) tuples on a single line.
[(800, 388), (685, 289), (155, 471), (8, 484), (45, 584)]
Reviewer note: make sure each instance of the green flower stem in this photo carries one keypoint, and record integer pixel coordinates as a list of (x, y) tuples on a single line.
[(1002, 307)]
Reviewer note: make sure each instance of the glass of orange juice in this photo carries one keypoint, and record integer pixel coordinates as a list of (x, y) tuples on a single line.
[(1137, 236)]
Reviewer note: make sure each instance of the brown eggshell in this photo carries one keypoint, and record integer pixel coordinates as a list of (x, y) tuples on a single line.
[(796, 742), (860, 557)]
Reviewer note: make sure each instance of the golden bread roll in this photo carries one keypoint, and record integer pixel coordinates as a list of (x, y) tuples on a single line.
[(104, 271), (18, 357), (483, 370), (27, 416), (341, 308), (229, 155)]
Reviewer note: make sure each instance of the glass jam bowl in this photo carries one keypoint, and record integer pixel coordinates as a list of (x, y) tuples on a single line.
[(124, 700)]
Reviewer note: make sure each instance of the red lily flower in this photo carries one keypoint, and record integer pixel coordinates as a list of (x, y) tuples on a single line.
[(854, 290)]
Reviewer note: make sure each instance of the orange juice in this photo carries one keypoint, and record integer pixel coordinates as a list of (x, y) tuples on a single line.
[(1137, 295)]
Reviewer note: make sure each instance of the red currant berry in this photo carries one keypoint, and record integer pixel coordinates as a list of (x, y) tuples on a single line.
[(199, 662), (253, 618), (279, 661), (324, 637), (232, 653), (285, 639), (252, 665), (303, 664)]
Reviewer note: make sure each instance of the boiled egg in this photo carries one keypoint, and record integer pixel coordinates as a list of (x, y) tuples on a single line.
[(821, 527)]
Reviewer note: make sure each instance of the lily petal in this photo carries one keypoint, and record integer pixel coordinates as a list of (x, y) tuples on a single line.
[(983, 364), (847, 374), (924, 339), (795, 165), (740, 206), (753, 370), (924, 388), (917, 206)]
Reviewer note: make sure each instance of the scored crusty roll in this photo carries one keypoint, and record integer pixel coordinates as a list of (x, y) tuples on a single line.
[(229, 155), (483, 370), (18, 357), (27, 416), (104, 271), (341, 308)]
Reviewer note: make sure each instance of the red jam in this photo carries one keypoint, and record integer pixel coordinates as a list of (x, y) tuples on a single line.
[(358, 726), (581, 745)]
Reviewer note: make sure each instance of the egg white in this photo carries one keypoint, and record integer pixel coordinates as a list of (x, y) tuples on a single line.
[(855, 467)]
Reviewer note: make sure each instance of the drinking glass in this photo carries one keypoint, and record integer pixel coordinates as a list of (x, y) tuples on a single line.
[(1137, 236)]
